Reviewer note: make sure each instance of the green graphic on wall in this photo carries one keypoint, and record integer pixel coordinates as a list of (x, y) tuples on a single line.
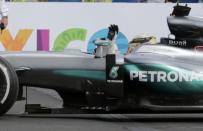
[(67, 36)]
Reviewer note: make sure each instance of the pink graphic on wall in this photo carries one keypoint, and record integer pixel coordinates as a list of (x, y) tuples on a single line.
[(43, 40)]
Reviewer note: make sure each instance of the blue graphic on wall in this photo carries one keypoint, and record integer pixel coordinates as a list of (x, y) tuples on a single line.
[(122, 41)]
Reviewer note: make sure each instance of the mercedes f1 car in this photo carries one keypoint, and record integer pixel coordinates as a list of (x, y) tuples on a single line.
[(153, 77)]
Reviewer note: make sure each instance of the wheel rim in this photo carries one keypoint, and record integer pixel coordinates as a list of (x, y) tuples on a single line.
[(4, 84)]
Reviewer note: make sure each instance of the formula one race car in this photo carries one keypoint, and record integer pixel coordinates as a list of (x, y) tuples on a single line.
[(152, 77)]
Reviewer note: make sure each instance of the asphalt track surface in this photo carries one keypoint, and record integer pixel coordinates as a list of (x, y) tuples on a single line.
[(15, 121)]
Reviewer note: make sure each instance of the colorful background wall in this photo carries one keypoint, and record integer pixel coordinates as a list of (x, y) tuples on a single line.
[(57, 26)]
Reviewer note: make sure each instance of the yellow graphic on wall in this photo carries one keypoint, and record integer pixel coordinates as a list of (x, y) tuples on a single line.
[(16, 44)]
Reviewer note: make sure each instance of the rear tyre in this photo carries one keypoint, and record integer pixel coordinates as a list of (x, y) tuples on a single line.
[(8, 86)]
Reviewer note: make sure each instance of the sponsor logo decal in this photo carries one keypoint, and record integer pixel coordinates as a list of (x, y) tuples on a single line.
[(177, 43), (113, 74), (162, 76), (115, 81)]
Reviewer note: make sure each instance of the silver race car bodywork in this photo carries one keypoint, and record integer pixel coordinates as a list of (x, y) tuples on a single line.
[(152, 77), (43, 65)]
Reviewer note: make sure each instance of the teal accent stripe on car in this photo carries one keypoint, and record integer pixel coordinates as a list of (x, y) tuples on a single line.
[(89, 74)]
